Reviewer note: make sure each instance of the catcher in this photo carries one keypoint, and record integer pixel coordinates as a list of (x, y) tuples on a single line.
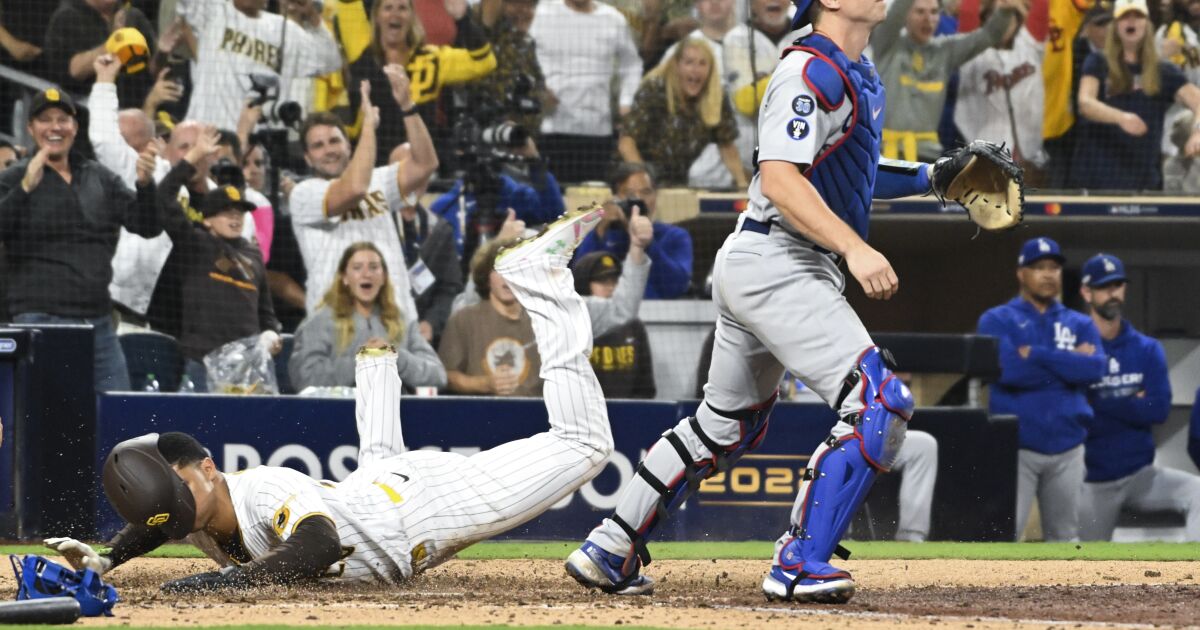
[(401, 511), (777, 287)]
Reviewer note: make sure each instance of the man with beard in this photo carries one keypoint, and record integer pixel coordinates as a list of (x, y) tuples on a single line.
[(1049, 355), (1133, 396)]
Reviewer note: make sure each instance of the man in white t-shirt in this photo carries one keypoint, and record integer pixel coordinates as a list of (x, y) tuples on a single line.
[(579, 45), (349, 200), (237, 38)]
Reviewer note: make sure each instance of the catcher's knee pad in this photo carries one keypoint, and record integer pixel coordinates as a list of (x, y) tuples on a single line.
[(684, 456), (884, 404)]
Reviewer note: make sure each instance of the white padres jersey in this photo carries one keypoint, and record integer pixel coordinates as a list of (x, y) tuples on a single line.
[(232, 46), (322, 239), (1001, 91), (270, 502), (793, 127), (402, 511)]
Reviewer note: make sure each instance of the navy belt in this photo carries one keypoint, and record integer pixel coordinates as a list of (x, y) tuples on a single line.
[(757, 226), (761, 227)]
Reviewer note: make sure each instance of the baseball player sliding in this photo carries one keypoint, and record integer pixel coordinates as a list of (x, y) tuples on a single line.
[(778, 291), (400, 512)]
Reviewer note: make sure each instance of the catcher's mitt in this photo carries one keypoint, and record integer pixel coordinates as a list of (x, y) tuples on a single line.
[(983, 177)]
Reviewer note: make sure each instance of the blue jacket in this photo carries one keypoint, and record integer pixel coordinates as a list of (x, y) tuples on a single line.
[(1194, 433), (1048, 390), (670, 253), (1134, 395), (533, 205)]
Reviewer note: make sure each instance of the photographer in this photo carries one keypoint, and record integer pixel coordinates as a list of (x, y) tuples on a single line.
[(669, 246), (494, 180), (349, 200), (239, 41), (507, 23)]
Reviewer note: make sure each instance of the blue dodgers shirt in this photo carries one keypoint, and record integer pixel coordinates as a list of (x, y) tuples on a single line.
[(1048, 390), (1133, 395)]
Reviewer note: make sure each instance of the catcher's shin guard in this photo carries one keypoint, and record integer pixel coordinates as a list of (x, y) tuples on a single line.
[(692, 451), (843, 468)]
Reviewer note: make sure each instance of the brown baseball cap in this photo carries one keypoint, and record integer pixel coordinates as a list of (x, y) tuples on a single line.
[(143, 487), (595, 267)]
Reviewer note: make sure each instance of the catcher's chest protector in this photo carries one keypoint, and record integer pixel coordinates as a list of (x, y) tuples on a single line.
[(844, 172)]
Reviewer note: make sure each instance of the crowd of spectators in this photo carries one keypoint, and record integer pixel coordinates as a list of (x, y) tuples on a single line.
[(342, 169)]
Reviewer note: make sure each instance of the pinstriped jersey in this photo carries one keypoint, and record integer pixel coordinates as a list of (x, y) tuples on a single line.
[(233, 46), (270, 502)]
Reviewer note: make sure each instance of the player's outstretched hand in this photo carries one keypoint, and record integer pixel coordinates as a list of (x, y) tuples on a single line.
[(873, 272), (78, 554), (210, 582)]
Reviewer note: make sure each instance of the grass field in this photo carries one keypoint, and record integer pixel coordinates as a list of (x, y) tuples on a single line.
[(758, 550)]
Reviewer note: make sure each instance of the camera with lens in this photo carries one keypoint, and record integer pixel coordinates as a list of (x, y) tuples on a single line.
[(627, 206), (227, 173), (266, 95)]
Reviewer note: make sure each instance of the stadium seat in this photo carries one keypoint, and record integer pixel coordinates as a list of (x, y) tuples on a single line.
[(150, 352), (281, 364)]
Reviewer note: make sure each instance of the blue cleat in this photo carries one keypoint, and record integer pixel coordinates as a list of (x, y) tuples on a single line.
[(594, 567), (793, 579)]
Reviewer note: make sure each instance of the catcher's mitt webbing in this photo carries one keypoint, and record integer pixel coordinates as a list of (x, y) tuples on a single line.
[(985, 180)]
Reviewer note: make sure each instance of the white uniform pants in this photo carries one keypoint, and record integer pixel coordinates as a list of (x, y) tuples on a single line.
[(452, 501)]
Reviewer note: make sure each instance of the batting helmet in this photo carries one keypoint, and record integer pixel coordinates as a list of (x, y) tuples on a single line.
[(143, 488)]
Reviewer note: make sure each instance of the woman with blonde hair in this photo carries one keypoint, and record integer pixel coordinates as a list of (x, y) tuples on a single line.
[(680, 108), (397, 37), (359, 309), (1124, 95)]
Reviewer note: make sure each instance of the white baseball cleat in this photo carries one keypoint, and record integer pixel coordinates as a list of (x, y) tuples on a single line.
[(558, 238), (593, 567)]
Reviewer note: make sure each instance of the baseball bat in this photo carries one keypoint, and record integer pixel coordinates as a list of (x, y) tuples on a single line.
[(51, 610)]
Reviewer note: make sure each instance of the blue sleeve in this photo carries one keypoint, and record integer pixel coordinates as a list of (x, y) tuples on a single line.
[(590, 243), (671, 255), (1094, 65), (895, 179), (1172, 79), (1073, 367), (443, 207), (1155, 403), (1194, 450), (551, 197), (533, 204), (1194, 432), (1015, 372)]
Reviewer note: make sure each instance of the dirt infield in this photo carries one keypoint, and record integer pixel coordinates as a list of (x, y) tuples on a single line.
[(695, 594)]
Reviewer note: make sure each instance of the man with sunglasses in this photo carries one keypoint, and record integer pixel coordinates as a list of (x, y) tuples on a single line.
[(1133, 397)]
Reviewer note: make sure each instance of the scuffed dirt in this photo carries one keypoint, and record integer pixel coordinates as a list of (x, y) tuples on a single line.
[(693, 594)]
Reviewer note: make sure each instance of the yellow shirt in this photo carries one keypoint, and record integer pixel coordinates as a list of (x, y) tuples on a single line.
[(1066, 17)]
